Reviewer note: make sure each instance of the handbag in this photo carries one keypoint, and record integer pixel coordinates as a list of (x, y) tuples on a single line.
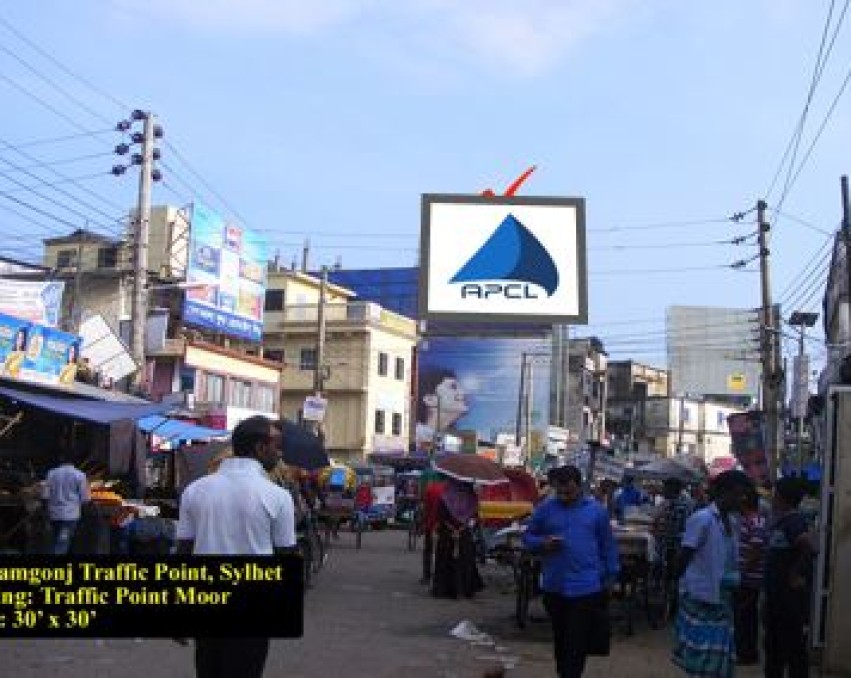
[(600, 628)]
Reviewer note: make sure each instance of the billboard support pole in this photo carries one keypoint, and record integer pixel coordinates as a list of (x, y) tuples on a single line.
[(520, 393), (139, 309)]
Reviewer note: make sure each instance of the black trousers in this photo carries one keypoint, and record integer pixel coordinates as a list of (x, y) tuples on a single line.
[(571, 630), (230, 657), (786, 616), (746, 609), (428, 555)]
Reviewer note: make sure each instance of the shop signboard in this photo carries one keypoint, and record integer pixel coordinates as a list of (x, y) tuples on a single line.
[(33, 352), (35, 301), (314, 408), (226, 276)]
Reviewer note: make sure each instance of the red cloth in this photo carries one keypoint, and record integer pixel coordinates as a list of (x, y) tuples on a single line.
[(363, 497), (431, 504)]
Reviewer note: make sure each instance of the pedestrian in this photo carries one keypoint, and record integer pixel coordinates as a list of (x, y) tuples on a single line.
[(66, 490), (432, 487), (670, 526), (455, 570), (628, 496), (709, 574), (238, 511), (752, 542), (580, 564), (788, 575)]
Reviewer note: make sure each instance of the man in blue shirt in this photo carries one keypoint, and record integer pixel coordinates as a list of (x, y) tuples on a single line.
[(580, 564)]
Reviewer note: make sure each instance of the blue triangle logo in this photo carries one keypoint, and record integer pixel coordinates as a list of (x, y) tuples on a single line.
[(511, 253)]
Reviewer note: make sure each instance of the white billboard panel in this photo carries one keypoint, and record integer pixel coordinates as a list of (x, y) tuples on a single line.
[(503, 260)]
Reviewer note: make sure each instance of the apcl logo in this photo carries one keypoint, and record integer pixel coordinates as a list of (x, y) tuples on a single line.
[(514, 256)]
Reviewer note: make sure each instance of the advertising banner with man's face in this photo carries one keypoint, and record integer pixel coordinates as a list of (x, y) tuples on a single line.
[(34, 301), (747, 434), (472, 384), (36, 353)]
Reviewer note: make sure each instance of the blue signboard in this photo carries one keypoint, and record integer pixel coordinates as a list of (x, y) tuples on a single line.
[(226, 276), (37, 353)]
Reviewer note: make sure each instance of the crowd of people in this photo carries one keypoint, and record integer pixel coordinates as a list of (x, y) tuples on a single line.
[(738, 559)]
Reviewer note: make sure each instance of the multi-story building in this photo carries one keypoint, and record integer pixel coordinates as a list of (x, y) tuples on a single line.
[(578, 387), (630, 384), (714, 352), (686, 426), (222, 379), (367, 370)]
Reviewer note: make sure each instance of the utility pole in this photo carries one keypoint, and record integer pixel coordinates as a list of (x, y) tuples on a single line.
[(521, 392), (76, 311), (139, 308), (771, 373), (802, 320), (527, 457), (846, 231), (319, 371)]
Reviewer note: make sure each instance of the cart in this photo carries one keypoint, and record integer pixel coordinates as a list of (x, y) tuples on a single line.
[(642, 582)]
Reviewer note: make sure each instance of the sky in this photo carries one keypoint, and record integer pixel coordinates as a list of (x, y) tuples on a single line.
[(328, 119)]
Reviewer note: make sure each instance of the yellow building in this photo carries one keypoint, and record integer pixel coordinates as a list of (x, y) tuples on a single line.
[(367, 363)]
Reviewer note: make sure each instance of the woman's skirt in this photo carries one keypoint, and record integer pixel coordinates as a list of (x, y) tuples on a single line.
[(705, 642)]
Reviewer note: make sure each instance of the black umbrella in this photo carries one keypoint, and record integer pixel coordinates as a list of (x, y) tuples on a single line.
[(302, 448)]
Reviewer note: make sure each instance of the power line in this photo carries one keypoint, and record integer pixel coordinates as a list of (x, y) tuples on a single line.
[(61, 66), (65, 161), (71, 97), (57, 182), (41, 101), (59, 139), (805, 272)]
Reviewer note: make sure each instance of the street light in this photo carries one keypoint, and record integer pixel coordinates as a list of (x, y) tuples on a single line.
[(802, 320)]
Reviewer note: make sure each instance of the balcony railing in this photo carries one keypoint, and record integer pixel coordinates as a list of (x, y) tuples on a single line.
[(357, 313)]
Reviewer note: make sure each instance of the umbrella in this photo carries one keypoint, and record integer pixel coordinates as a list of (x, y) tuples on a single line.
[(665, 468), (470, 468), (302, 448)]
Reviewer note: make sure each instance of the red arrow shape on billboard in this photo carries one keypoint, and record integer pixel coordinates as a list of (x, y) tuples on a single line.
[(514, 187)]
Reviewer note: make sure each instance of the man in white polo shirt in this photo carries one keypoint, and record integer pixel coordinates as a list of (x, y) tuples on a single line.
[(238, 511)]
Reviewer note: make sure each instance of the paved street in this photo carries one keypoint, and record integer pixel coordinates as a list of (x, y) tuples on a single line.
[(367, 616)]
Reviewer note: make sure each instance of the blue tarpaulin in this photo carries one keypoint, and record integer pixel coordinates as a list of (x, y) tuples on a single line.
[(95, 411), (175, 429)]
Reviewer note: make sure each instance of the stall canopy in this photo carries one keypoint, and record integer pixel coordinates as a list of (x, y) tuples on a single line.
[(175, 429), (95, 411)]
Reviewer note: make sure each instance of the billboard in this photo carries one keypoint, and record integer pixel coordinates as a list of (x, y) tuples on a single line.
[(226, 276), (36, 301), (36, 353), (503, 260), (471, 386), (747, 436)]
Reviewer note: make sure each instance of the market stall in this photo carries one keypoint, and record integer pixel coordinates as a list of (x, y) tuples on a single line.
[(97, 431)]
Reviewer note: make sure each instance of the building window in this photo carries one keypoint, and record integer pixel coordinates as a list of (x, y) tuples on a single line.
[(307, 359), (107, 257), (382, 364), (215, 389), (265, 398), (275, 355), (400, 369), (239, 394), (397, 424), (379, 421), (66, 258), (722, 420), (274, 300)]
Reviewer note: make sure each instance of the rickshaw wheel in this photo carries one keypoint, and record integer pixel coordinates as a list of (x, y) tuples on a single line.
[(524, 594)]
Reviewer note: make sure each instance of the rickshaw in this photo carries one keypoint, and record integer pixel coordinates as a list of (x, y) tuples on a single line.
[(375, 499), (337, 485)]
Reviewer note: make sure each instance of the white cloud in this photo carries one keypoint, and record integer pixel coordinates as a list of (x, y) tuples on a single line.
[(520, 36)]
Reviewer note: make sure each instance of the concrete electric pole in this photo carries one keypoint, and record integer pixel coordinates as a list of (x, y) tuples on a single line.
[(319, 373), (771, 371), (139, 307), (802, 320)]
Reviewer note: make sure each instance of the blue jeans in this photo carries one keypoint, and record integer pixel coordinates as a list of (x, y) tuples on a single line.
[(63, 534)]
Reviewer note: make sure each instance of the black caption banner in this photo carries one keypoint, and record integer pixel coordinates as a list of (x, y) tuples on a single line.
[(149, 597)]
